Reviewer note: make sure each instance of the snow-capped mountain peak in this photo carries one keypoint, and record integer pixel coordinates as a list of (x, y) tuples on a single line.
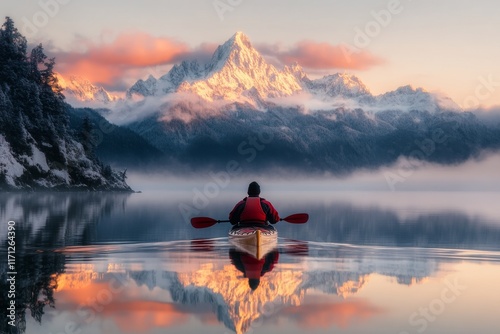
[(186, 71), (410, 98), (297, 71), (143, 88), (237, 72), (339, 84), (236, 52), (79, 89)]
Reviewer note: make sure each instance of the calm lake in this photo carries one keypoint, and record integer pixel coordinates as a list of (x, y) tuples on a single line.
[(366, 262)]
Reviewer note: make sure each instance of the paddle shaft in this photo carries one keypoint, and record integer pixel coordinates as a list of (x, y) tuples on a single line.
[(203, 222), (228, 221)]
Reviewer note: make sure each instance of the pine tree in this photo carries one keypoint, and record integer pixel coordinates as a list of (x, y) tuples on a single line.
[(13, 47), (33, 116), (13, 82), (85, 136)]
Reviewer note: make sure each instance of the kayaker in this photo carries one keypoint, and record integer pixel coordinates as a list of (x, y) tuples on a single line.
[(252, 268), (254, 209)]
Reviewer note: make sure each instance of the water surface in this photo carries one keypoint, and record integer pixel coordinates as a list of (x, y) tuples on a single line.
[(364, 263)]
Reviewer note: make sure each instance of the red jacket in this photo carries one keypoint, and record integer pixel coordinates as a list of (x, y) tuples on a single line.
[(252, 213)]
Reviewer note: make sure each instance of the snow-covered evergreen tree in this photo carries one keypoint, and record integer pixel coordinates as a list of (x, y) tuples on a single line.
[(37, 149)]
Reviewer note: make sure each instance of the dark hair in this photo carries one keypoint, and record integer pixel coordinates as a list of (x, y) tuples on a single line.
[(253, 283), (253, 189)]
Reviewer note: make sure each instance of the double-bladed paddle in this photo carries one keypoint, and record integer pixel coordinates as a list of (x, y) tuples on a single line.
[(204, 222)]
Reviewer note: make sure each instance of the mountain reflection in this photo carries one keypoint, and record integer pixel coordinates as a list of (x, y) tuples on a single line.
[(70, 248), (213, 287)]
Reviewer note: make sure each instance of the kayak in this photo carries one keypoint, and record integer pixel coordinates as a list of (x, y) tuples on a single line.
[(254, 240)]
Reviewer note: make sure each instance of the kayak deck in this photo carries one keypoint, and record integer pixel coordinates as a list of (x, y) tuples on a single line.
[(254, 240)]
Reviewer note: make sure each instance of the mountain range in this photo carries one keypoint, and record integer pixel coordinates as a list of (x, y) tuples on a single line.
[(238, 107), (238, 73), (79, 91)]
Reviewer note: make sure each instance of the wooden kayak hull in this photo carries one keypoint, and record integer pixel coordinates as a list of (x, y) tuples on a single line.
[(254, 240)]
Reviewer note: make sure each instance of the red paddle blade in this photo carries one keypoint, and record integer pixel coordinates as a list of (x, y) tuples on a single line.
[(298, 218), (202, 222)]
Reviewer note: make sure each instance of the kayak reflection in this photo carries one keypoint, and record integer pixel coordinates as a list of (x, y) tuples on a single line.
[(245, 260), (251, 267)]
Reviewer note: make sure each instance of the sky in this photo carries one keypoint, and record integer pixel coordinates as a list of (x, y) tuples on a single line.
[(446, 46)]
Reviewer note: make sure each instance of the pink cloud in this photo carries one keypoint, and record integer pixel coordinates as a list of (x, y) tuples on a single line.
[(321, 56), (326, 314), (108, 62), (118, 60)]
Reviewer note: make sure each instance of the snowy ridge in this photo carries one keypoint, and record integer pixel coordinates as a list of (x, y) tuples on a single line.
[(236, 67), (409, 98), (78, 89), (237, 73), (186, 71), (38, 150), (339, 84), (12, 169), (54, 175)]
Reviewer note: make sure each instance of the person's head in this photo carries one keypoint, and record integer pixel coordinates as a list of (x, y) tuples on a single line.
[(253, 283), (253, 189)]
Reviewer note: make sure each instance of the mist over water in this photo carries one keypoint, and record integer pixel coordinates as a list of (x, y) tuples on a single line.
[(479, 174), (370, 234), (359, 246)]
